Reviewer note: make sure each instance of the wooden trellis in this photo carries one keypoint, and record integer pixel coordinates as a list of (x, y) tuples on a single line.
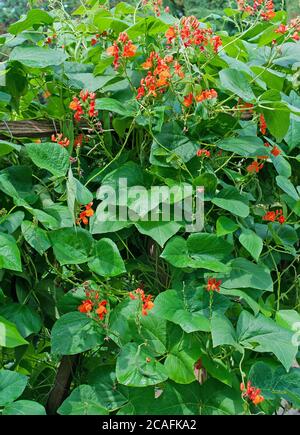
[(31, 128)]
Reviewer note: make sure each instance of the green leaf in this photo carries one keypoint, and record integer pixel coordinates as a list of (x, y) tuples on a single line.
[(275, 383), (123, 327), (209, 182), (237, 82), (161, 232), (246, 146), (34, 18), (9, 253), (170, 305), (245, 274), (183, 352), (202, 246), (105, 383), (289, 319), (83, 400), (171, 144), (8, 147), (222, 331), (107, 260), (9, 335), (71, 245), (178, 254), (252, 242), (88, 81), (288, 187), (75, 333), (50, 156), (242, 295), (37, 57), (12, 222), (16, 182), (147, 26), (24, 407), (114, 106), (136, 367), (76, 191), (231, 200), (35, 236), (264, 335), (277, 114), (292, 137), (12, 385), (24, 317), (282, 166), (225, 226)]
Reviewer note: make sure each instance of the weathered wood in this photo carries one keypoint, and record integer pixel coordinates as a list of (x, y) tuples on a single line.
[(62, 383), (31, 128)]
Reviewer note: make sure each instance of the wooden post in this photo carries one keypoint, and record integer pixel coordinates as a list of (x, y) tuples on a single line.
[(31, 128)]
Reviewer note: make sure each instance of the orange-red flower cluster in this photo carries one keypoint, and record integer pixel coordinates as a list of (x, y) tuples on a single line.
[(85, 104), (274, 216), (93, 305), (63, 141), (207, 94), (147, 301), (275, 150), (190, 33), (293, 28), (203, 152), (262, 124), (252, 393), (123, 47), (159, 75), (263, 8), (85, 214), (213, 285), (255, 166)]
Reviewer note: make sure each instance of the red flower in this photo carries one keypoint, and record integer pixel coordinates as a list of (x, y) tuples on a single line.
[(129, 50), (85, 102), (269, 216), (273, 216), (252, 393), (263, 124), (171, 34), (276, 151), (124, 45), (213, 285), (217, 42), (296, 36), (188, 100), (114, 51), (86, 306), (101, 310), (178, 70), (78, 140), (147, 303), (281, 29), (208, 94), (255, 167), (64, 142), (85, 214), (202, 152)]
